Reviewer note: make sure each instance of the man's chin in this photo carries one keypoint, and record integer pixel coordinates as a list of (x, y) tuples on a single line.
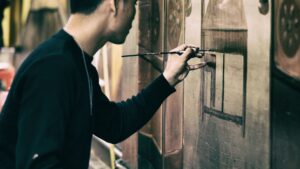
[(118, 40)]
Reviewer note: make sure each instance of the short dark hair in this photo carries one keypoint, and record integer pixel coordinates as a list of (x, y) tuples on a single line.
[(83, 6)]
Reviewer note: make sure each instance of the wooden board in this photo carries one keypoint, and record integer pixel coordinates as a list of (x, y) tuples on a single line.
[(211, 141), (150, 39), (192, 86), (173, 117), (163, 134), (129, 87), (285, 84)]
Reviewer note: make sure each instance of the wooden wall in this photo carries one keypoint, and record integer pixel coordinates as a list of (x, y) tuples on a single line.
[(285, 85), (219, 116), (234, 132)]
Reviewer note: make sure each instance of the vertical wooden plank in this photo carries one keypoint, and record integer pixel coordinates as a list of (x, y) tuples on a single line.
[(173, 118), (150, 40), (258, 87), (192, 86), (129, 86)]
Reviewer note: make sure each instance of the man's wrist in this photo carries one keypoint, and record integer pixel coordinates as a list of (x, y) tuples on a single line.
[(171, 80)]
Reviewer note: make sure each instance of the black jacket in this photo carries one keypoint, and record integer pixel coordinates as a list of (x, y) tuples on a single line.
[(46, 121)]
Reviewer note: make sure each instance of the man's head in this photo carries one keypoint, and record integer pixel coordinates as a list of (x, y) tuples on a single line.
[(119, 15), (86, 6)]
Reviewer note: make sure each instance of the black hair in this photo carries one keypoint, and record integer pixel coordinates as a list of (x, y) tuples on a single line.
[(83, 6)]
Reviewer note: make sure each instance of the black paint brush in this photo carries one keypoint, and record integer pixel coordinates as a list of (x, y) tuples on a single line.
[(196, 50)]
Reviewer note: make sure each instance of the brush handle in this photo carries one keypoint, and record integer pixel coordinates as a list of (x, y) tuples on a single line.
[(165, 53), (153, 54)]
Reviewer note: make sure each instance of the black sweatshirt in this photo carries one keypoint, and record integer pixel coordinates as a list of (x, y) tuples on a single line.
[(46, 121)]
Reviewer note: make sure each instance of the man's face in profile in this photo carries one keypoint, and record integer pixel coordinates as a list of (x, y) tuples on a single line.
[(124, 18)]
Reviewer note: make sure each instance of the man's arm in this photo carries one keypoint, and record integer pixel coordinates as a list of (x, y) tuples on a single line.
[(44, 106), (115, 122)]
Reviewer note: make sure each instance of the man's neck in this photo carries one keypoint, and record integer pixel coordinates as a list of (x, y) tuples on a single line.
[(86, 33)]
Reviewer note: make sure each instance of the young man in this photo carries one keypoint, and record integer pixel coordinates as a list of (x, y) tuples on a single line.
[(55, 103)]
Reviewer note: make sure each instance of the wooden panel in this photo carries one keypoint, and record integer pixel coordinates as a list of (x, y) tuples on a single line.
[(150, 156), (175, 17), (285, 85), (192, 85), (164, 132), (173, 119), (129, 87), (224, 30), (150, 39), (173, 159), (219, 15), (153, 128), (241, 73), (257, 124), (286, 125), (151, 25), (287, 30)]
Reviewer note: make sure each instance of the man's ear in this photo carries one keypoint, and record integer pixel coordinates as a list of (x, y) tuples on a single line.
[(115, 4)]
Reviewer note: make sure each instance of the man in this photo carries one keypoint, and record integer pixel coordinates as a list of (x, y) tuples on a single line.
[(55, 103)]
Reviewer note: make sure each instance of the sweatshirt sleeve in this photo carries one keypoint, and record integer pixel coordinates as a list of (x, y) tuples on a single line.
[(45, 102), (114, 122)]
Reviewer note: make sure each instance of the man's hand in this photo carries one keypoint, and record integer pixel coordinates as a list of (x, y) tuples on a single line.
[(177, 68)]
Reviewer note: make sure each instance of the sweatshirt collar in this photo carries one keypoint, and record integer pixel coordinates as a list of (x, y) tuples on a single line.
[(62, 34)]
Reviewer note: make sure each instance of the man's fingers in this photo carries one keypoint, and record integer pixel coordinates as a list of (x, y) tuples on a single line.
[(183, 47), (187, 54), (184, 74), (191, 46), (180, 48)]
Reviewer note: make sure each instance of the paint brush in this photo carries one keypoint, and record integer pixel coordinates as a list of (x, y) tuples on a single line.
[(196, 50)]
